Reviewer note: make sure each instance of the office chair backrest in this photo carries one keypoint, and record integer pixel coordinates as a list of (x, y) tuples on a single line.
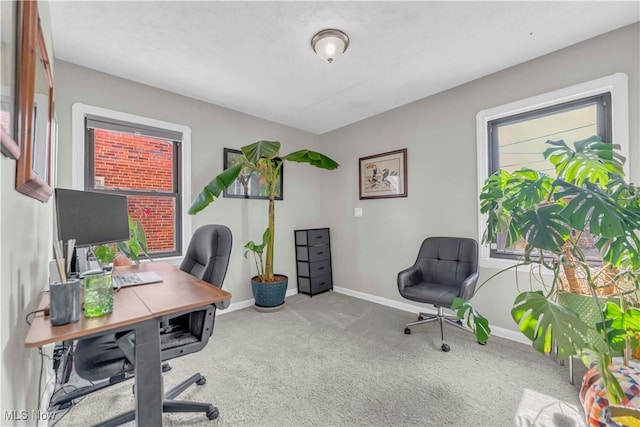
[(108, 355), (447, 260), (208, 254), (207, 258)]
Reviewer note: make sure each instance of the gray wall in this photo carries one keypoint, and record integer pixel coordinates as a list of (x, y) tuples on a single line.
[(440, 135), (25, 248), (212, 129)]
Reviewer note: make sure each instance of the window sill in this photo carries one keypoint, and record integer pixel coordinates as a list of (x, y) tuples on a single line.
[(502, 264), (173, 260)]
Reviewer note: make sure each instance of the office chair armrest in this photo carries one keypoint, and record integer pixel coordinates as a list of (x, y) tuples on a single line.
[(409, 277), (468, 287)]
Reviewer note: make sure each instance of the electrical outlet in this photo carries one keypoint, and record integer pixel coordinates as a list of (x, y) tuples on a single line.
[(357, 212)]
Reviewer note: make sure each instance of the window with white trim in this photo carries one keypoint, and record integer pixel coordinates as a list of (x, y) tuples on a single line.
[(142, 158), (143, 164), (513, 136)]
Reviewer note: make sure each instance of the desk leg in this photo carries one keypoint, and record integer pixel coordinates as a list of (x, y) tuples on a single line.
[(148, 373)]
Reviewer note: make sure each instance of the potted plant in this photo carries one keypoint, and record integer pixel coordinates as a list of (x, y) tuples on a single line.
[(587, 200), (132, 249), (263, 158)]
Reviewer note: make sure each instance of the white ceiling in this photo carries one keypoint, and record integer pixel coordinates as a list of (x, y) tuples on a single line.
[(255, 57)]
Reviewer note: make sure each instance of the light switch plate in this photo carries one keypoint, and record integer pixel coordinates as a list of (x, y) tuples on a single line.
[(357, 212)]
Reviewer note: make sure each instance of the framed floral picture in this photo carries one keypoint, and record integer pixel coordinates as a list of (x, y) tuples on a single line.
[(383, 175), (250, 184)]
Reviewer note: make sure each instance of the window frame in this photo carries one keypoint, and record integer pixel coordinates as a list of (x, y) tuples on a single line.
[(81, 111), (615, 84), (89, 170), (603, 125)]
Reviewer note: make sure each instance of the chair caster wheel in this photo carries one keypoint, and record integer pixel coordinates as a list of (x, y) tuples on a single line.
[(202, 381), (407, 331), (212, 415), (445, 347), (166, 367), (459, 322), (420, 318)]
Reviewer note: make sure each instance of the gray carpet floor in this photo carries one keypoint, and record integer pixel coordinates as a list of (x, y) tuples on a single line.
[(334, 360)]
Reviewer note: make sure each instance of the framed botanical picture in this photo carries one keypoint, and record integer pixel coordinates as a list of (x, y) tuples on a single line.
[(250, 184), (383, 175)]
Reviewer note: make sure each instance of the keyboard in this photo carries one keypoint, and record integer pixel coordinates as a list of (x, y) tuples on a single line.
[(133, 279)]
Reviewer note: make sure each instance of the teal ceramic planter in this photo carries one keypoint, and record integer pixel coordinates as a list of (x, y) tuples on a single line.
[(268, 295)]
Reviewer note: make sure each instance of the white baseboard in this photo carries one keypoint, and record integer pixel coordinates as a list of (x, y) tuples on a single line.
[(495, 330)]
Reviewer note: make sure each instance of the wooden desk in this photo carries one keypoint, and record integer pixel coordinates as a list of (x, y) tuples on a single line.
[(139, 308)]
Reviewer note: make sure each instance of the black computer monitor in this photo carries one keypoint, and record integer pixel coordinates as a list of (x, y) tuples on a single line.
[(91, 218)]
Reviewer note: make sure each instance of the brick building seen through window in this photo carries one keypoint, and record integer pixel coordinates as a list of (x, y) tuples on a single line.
[(144, 169)]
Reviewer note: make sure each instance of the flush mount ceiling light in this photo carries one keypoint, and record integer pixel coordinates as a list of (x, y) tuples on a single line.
[(330, 44)]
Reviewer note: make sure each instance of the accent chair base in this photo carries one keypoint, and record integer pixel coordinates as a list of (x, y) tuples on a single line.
[(441, 318)]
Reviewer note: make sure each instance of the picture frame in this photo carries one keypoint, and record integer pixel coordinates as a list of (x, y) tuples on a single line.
[(33, 168), (383, 175), (11, 36), (248, 185)]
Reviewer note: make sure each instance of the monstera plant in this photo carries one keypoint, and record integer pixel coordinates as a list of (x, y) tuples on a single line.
[(263, 158), (588, 200)]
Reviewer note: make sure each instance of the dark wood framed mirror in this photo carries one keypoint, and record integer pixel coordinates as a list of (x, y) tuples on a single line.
[(33, 174)]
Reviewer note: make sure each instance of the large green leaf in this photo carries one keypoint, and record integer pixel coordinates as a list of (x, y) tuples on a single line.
[(498, 222), (261, 149), (545, 228), (590, 205), (499, 219), (313, 158), (623, 251), (139, 235), (544, 321), (506, 198), (620, 325), (258, 249), (526, 189), (215, 187), (592, 160), (625, 194), (493, 191), (475, 321)]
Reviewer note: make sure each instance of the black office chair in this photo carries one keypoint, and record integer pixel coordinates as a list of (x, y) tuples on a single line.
[(446, 267), (111, 355)]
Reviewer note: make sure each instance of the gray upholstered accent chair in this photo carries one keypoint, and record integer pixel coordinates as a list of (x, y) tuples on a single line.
[(110, 356), (446, 267)]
